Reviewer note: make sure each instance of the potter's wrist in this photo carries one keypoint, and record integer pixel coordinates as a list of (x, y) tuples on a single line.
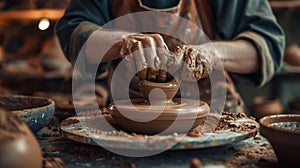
[(217, 54)]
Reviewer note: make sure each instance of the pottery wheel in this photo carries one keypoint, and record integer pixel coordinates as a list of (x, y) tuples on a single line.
[(74, 129)]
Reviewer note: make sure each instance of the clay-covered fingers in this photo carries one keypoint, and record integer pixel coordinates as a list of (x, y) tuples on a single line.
[(176, 59), (146, 54), (193, 68), (126, 54), (196, 62), (138, 54), (163, 55), (149, 46), (206, 62)]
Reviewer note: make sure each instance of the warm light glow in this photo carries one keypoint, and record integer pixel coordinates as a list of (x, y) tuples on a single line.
[(44, 24)]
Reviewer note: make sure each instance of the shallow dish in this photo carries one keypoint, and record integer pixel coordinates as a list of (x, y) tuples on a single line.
[(36, 112), (283, 132)]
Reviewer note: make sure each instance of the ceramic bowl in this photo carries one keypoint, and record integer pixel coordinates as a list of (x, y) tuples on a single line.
[(36, 112), (283, 132), (263, 106)]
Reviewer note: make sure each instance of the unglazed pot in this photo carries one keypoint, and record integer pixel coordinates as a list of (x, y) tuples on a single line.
[(159, 114), (18, 146), (283, 132), (263, 106)]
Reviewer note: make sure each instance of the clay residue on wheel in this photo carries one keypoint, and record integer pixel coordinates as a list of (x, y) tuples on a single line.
[(228, 121), (234, 122)]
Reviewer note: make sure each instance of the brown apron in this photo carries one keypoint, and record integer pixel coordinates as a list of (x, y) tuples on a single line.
[(199, 12)]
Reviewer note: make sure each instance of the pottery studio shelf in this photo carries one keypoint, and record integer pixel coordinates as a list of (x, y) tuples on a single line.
[(31, 15)]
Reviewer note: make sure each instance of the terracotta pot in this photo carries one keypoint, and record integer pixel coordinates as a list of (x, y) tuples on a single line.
[(263, 106), (18, 146), (283, 132)]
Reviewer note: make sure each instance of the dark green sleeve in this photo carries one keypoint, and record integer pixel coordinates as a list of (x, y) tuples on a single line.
[(81, 19), (252, 20)]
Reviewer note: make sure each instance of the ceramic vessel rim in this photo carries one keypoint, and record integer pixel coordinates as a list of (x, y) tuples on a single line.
[(263, 121), (50, 103)]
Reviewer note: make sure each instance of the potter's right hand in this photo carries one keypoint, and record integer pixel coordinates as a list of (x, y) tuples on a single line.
[(147, 55)]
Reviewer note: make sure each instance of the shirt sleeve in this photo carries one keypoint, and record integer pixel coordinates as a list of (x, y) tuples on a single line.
[(81, 19), (252, 20)]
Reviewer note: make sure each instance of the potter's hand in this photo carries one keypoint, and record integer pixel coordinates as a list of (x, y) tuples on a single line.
[(196, 62), (146, 54)]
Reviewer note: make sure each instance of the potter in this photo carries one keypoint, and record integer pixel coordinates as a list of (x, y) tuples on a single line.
[(251, 50)]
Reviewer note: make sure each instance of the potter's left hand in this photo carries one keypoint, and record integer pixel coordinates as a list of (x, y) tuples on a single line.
[(196, 62)]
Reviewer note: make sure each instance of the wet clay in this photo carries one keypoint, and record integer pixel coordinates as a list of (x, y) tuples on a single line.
[(18, 146), (183, 113), (157, 114), (53, 163), (187, 62), (197, 62), (228, 121)]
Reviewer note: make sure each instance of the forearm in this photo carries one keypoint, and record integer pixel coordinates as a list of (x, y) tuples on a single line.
[(239, 56), (106, 44)]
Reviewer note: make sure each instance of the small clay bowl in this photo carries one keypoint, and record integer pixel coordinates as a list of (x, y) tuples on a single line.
[(263, 106), (169, 88), (36, 112), (283, 132)]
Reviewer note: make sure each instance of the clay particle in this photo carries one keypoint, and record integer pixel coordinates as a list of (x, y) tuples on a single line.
[(195, 163), (127, 165)]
